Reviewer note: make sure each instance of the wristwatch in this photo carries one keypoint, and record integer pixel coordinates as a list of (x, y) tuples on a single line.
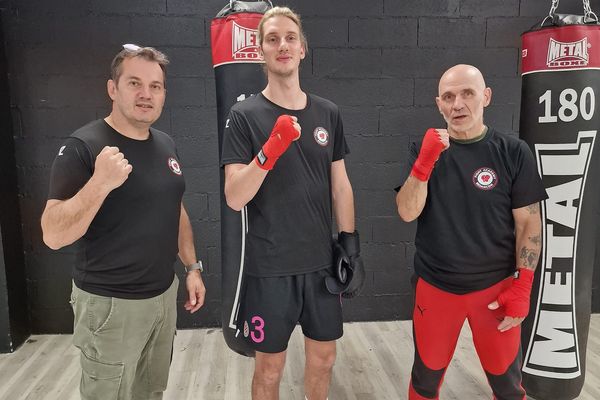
[(195, 266)]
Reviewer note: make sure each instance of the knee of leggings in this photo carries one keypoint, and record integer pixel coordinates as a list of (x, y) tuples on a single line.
[(507, 386), (425, 382)]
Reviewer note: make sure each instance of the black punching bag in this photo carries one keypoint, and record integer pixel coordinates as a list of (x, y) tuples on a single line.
[(560, 121), (238, 74)]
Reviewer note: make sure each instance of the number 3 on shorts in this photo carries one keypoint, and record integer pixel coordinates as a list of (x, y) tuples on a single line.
[(258, 324)]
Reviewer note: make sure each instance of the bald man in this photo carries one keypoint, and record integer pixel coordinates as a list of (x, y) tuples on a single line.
[(475, 193)]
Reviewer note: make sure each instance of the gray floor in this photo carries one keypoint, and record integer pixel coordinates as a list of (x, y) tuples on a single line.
[(374, 361)]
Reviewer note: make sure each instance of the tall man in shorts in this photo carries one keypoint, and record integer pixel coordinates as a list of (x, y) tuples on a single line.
[(116, 188), (475, 193), (290, 183)]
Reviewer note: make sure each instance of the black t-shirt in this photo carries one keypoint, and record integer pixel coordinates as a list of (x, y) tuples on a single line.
[(289, 219), (465, 235), (131, 244)]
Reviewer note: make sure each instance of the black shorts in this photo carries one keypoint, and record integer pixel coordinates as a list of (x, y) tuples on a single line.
[(271, 307)]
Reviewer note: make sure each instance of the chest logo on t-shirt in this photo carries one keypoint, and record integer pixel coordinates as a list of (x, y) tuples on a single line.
[(321, 136), (485, 178), (174, 166)]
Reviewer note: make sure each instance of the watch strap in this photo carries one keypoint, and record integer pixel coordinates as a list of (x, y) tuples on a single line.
[(195, 266)]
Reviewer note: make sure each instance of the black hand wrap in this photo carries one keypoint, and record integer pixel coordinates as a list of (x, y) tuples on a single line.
[(349, 270)]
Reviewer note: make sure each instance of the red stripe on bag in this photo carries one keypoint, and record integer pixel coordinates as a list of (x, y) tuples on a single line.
[(561, 48)]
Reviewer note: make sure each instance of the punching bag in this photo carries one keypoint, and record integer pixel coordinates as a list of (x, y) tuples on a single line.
[(560, 121), (238, 74)]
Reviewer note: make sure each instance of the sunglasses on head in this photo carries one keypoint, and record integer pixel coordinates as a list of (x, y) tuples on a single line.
[(131, 47)]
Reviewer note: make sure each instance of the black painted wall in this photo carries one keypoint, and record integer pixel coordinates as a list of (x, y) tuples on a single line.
[(14, 319), (5, 331), (378, 59)]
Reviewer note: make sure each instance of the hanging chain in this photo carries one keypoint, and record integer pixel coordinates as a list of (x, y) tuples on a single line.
[(586, 7), (589, 14), (550, 15), (553, 7)]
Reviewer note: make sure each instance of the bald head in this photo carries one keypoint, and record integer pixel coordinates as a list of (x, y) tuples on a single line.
[(462, 96), (462, 74)]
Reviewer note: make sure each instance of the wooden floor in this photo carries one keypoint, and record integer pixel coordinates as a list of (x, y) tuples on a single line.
[(374, 361)]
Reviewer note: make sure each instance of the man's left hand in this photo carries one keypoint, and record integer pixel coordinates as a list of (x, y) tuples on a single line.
[(515, 300), (196, 291), (508, 322)]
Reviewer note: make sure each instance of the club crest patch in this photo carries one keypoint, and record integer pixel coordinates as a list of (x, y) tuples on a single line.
[(174, 166), (485, 178), (321, 136), (246, 329)]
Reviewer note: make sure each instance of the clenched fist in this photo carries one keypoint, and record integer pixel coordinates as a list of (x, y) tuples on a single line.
[(434, 142), (111, 168), (286, 130)]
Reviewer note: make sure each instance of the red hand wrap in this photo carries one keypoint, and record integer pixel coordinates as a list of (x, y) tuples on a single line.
[(281, 137), (516, 298), (431, 148)]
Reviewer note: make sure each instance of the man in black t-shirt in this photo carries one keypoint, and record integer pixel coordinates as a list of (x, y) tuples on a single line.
[(475, 193), (116, 190), (290, 184)]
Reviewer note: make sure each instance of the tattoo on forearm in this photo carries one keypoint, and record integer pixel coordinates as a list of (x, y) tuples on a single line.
[(537, 240), (533, 208), (529, 257)]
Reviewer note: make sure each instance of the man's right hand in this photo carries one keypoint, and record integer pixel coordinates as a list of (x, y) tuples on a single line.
[(111, 168), (285, 131), (434, 142)]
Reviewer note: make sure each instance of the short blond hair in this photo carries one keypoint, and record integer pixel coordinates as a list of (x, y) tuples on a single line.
[(281, 12)]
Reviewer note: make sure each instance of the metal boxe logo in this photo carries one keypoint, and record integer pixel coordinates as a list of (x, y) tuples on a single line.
[(569, 54), (553, 349), (244, 43)]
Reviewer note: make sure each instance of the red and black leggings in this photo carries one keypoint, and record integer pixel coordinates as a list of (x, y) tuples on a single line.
[(438, 318)]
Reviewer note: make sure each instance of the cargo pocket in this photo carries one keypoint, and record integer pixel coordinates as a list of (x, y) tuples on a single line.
[(100, 381)]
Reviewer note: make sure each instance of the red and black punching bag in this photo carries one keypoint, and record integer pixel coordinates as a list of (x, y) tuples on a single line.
[(560, 121), (238, 74)]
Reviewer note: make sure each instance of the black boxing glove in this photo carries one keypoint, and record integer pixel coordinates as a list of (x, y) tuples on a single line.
[(349, 269), (351, 244), (341, 270)]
